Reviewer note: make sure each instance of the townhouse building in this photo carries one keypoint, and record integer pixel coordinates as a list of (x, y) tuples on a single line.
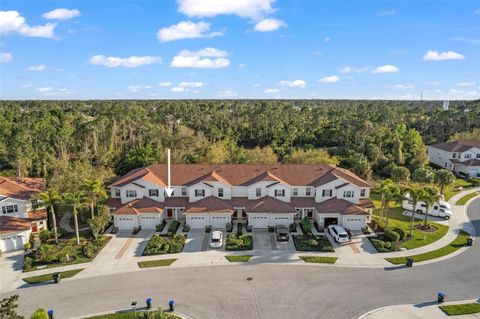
[(462, 157)]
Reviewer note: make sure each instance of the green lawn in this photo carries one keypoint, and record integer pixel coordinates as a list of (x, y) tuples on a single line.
[(137, 315), (236, 258), (156, 263), (462, 309), (48, 277), (466, 198), (319, 259), (452, 190), (458, 243), (420, 238)]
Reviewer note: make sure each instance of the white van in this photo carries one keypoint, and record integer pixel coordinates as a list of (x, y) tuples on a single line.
[(440, 209)]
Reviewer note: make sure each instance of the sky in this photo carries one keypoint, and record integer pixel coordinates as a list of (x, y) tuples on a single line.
[(216, 49)]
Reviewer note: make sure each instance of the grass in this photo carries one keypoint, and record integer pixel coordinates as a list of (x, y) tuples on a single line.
[(237, 258), (132, 315), (312, 243), (461, 309), (458, 243), (156, 263), (466, 198), (452, 190), (319, 259), (242, 242), (48, 277)]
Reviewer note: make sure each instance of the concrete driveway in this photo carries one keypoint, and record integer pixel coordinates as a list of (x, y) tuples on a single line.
[(261, 240), (11, 265), (197, 240)]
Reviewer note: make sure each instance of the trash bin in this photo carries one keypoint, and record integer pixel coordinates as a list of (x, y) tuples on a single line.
[(50, 314), (149, 303), (469, 241), (56, 277), (409, 262), (170, 305), (441, 296)]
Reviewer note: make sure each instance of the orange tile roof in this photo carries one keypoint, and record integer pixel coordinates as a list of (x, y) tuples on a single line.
[(39, 214), (11, 225), (339, 206), (21, 188), (140, 205)]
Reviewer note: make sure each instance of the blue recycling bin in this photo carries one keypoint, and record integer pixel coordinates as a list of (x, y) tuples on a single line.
[(50, 314), (441, 296), (170, 305), (149, 303)]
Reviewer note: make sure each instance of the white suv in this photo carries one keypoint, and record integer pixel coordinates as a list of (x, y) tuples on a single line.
[(216, 241), (338, 233)]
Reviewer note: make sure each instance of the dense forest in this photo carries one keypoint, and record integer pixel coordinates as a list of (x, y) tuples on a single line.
[(373, 138)]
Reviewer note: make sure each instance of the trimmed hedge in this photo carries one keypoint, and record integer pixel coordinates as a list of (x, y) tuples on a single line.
[(159, 245), (242, 242), (391, 235), (306, 226)]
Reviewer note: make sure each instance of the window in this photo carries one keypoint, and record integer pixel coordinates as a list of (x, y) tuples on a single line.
[(348, 194), (10, 209), (295, 191), (279, 193), (454, 155), (308, 191), (153, 192), (258, 192), (184, 191), (478, 155), (117, 192), (34, 202), (199, 193), (220, 192), (327, 193), (467, 155), (131, 193), (363, 192)]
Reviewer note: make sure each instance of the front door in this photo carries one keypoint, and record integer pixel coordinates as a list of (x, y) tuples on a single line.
[(169, 212), (309, 213), (34, 228)]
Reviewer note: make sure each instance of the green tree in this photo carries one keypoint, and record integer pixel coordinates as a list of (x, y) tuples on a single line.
[(397, 151), (444, 178), (391, 193), (400, 174), (100, 221), (259, 155), (40, 313), (51, 198), (138, 157), (423, 175), (430, 196), (8, 308), (413, 195), (384, 189), (95, 192), (77, 201), (314, 156)]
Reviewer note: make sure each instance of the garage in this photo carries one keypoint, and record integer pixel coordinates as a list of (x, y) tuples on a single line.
[(281, 220), (149, 221), (197, 221), (11, 243), (126, 222), (259, 221), (354, 222), (219, 221), (327, 221)]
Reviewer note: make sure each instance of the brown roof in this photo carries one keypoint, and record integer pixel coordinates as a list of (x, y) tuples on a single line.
[(470, 162), (243, 174), (10, 225), (39, 214), (269, 205), (457, 146), (303, 201), (21, 188), (366, 203), (210, 204), (113, 202), (339, 206), (140, 205)]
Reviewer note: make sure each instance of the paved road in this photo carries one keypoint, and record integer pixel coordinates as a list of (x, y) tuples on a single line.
[(275, 291)]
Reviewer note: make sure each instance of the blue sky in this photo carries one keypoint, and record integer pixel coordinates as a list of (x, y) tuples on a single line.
[(239, 49)]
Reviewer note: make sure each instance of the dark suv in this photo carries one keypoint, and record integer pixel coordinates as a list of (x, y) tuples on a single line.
[(281, 233)]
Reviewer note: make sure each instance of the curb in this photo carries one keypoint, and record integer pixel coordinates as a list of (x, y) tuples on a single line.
[(182, 316)]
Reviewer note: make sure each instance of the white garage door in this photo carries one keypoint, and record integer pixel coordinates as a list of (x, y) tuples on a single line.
[(354, 223), (259, 221), (219, 221), (148, 222), (197, 221), (281, 221), (11, 243), (126, 222)]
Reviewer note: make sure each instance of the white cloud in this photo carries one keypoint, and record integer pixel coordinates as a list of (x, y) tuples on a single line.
[(271, 91), (433, 55), (133, 88), (44, 89), (404, 87), (5, 57), (330, 79), (61, 14), (36, 68), (13, 22), (191, 84), (186, 30), (164, 84), (130, 62), (350, 69), (268, 25), (208, 58), (178, 89), (388, 68), (327, 39), (294, 83), (254, 9), (147, 86), (466, 84)]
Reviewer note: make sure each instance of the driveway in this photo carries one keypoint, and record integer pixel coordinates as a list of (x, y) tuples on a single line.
[(195, 241), (261, 240), (11, 265)]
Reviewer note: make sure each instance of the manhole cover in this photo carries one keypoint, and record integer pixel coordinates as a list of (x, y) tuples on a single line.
[(249, 278)]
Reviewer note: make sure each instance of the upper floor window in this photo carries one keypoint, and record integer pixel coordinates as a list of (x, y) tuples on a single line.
[(348, 194), (279, 193), (184, 191), (10, 209), (295, 191), (363, 192), (454, 155), (153, 192), (34, 202), (478, 155), (220, 192), (258, 192), (117, 192), (131, 193), (327, 193), (468, 155), (199, 193), (308, 191)]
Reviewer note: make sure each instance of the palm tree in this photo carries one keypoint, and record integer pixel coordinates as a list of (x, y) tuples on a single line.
[(77, 200), (413, 195), (94, 189), (51, 198), (384, 189), (391, 194), (430, 196)]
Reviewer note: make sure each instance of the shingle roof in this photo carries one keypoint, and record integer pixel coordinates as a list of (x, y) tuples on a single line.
[(141, 205), (11, 225), (39, 214), (470, 162), (339, 206), (210, 204), (21, 188), (457, 146)]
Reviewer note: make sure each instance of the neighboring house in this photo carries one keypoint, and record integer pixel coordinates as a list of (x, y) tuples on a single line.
[(262, 195), (462, 157), (20, 213)]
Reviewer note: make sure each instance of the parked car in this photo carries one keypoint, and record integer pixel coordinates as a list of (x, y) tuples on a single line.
[(216, 240), (338, 233), (281, 233), (440, 209)]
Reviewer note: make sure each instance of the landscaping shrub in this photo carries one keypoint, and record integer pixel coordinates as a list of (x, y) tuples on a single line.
[(44, 235), (391, 235), (175, 247), (88, 250), (186, 228), (172, 228), (312, 242), (40, 314), (158, 245), (161, 226), (293, 227), (27, 263), (306, 226), (208, 229), (401, 232), (242, 242), (388, 245), (271, 229), (229, 227)]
